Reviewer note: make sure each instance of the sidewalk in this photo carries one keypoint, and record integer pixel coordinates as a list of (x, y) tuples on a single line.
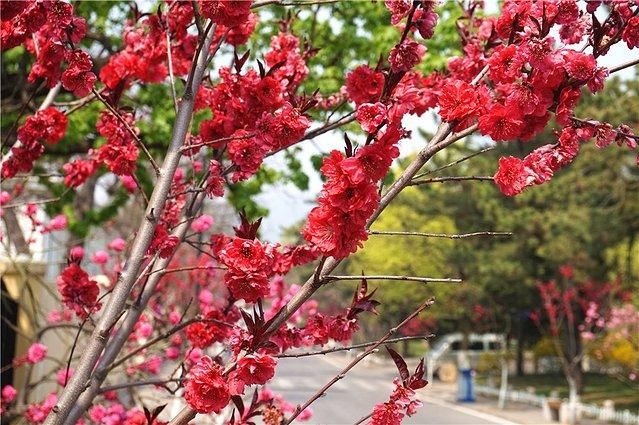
[(441, 393), (517, 413)]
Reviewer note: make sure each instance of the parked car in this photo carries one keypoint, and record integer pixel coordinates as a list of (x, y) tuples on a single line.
[(444, 358)]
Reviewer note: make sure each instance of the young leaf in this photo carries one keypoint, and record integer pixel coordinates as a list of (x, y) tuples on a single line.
[(401, 365)]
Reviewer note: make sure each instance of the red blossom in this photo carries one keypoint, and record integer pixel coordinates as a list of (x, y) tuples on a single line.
[(224, 12), (363, 84), (459, 100), (120, 153), (256, 369), (406, 55), (500, 123), (78, 171), (78, 77), (246, 153), (205, 389), (370, 115), (46, 126), (512, 176), (580, 66), (631, 33), (163, 243), (78, 292)]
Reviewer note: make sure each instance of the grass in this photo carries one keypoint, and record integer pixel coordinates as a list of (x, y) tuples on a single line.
[(598, 387)]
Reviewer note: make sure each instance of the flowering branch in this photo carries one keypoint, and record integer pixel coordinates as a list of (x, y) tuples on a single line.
[(164, 336), (123, 287), (356, 360), (129, 129)]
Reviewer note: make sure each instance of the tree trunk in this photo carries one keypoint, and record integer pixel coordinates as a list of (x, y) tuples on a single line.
[(520, 347), (573, 400), (503, 389)]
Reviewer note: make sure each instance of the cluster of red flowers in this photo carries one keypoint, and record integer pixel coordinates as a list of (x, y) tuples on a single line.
[(48, 29), (402, 400), (119, 154), (144, 57), (514, 174), (46, 126), (401, 403), (531, 78), (78, 292), (337, 226), (207, 390), (252, 113), (250, 264)]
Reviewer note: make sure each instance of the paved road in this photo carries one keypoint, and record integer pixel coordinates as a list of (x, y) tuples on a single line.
[(354, 396)]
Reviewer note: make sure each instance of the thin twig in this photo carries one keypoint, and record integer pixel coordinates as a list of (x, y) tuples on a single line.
[(210, 142), (130, 130), (171, 75), (449, 179), (362, 419), (353, 347), (438, 235), (624, 66), (458, 161), (163, 336), (331, 278), (138, 384)]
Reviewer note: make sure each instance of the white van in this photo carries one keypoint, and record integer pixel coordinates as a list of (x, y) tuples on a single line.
[(442, 359)]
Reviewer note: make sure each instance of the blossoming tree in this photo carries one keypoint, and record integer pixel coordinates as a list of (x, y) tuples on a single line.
[(221, 303), (573, 313)]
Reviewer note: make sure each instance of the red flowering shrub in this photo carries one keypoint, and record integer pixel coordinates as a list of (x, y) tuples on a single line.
[(171, 280)]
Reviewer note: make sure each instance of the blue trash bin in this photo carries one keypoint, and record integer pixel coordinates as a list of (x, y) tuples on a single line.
[(466, 390)]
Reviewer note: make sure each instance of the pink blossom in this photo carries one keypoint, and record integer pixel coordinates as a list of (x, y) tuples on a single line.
[(174, 317), (8, 394), (63, 376), (202, 223), (36, 353), (172, 353), (117, 244), (145, 330), (59, 222), (129, 183), (100, 257), (76, 253), (4, 197), (195, 355), (206, 297)]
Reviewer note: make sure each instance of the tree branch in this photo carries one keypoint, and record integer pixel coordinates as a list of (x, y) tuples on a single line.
[(353, 347), (130, 130), (139, 384), (115, 306), (438, 235), (332, 278), (449, 179), (356, 360)]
